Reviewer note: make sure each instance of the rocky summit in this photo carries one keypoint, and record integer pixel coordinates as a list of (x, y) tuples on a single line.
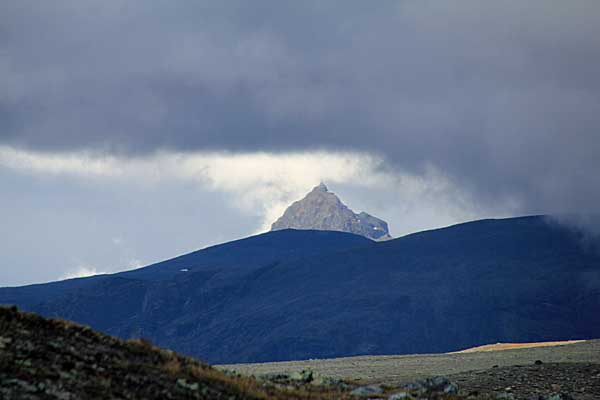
[(322, 210)]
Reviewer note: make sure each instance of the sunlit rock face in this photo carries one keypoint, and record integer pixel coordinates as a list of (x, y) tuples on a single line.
[(321, 209)]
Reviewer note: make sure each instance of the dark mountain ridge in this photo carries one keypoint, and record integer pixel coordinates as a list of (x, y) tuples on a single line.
[(242, 253), (313, 294)]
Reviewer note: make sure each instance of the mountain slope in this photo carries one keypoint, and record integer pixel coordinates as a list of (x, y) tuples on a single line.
[(231, 257), (511, 280), (483, 282), (323, 210)]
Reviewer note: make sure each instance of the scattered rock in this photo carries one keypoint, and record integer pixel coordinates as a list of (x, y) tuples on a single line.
[(505, 396), (435, 384), (538, 362), (304, 376), (300, 377), (451, 388), (560, 396), (400, 396), (367, 390), (190, 386)]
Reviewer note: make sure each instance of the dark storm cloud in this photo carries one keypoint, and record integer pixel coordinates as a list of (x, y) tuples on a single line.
[(504, 97)]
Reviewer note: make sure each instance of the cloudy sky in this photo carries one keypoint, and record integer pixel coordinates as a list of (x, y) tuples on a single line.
[(134, 131)]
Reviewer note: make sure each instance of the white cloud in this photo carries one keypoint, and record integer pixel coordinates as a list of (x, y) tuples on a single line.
[(86, 270), (263, 184), (58, 163), (82, 272), (133, 264)]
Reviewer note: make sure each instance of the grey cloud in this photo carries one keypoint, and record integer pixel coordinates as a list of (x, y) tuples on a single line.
[(504, 97)]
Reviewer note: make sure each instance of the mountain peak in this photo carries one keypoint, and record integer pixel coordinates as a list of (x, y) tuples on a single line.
[(321, 209), (320, 188)]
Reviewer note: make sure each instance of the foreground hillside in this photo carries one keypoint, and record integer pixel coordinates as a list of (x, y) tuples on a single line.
[(54, 359), (291, 294)]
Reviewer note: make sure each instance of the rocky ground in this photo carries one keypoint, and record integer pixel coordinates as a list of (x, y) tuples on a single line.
[(521, 373), (54, 359), (580, 380)]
